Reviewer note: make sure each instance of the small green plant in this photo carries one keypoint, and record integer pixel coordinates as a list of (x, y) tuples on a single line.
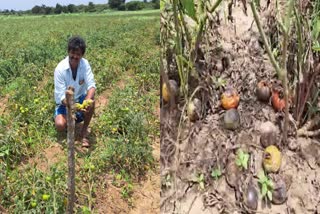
[(200, 180), (127, 190), (266, 186), (242, 159), (167, 181), (219, 82), (216, 173)]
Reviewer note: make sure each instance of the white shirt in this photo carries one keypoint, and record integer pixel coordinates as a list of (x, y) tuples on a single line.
[(63, 79)]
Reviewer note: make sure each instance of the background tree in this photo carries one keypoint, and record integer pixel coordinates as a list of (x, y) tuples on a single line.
[(114, 4), (64, 9), (135, 5), (71, 8), (91, 8), (48, 10), (36, 9), (58, 9), (156, 4)]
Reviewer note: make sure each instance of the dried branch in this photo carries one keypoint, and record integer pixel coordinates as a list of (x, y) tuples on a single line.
[(70, 141)]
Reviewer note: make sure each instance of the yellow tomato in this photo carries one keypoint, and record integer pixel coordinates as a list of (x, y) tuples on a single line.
[(272, 159)]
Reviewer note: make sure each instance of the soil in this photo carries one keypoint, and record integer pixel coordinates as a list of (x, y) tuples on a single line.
[(48, 157), (206, 145), (3, 103)]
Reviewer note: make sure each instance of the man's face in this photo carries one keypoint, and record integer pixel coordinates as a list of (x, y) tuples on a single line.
[(74, 57)]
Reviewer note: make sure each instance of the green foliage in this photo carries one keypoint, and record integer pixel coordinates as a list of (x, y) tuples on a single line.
[(266, 186), (134, 5), (122, 7), (91, 8), (34, 191), (189, 8), (167, 181), (242, 159), (200, 180), (126, 123), (114, 4), (216, 173)]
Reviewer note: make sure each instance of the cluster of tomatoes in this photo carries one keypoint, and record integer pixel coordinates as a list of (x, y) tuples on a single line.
[(230, 98), (229, 101)]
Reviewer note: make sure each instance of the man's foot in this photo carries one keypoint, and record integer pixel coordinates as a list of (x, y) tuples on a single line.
[(85, 142)]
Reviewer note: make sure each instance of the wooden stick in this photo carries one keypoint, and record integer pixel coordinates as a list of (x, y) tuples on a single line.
[(70, 141)]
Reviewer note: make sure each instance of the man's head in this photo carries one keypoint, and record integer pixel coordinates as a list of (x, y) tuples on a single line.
[(76, 49)]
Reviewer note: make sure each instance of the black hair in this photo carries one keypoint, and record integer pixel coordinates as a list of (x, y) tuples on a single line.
[(76, 42)]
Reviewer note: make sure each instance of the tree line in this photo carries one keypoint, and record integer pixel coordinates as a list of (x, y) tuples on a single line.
[(90, 8)]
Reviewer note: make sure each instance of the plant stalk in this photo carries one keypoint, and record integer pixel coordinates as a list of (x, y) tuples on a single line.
[(282, 72), (179, 48)]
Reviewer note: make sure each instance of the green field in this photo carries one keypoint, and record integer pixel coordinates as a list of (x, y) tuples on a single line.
[(121, 46)]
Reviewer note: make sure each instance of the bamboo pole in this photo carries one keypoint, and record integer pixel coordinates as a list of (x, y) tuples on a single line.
[(70, 141)]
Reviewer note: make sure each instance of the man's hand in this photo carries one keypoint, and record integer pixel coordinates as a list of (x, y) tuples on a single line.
[(85, 106)]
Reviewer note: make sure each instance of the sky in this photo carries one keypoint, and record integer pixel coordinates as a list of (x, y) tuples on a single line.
[(29, 4)]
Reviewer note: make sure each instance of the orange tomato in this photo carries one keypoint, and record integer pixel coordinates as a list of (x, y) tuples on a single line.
[(277, 102), (230, 99)]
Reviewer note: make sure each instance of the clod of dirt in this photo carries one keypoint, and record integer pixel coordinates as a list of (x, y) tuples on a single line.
[(231, 119), (310, 151), (263, 91), (233, 172), (280, 190), (272, 159), (251, 197), (219, 66), (230, 99), (173, 89), (268, 134), (194, 109), (293, 144)]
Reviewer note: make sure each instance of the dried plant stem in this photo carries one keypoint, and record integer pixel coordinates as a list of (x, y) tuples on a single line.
[(178, 49), (264, 39), (299, 64), (201, 26), (305, 130), (282, 73), (305, 98), (309, 133)]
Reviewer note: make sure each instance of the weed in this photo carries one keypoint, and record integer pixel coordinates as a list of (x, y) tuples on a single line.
[(216, 173), (200, 181), (242, 159), (266, 186)]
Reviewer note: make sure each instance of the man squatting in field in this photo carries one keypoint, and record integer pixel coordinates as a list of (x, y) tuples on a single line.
[(74, 71)]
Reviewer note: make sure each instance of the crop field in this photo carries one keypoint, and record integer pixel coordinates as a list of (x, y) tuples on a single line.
[(123, 51)]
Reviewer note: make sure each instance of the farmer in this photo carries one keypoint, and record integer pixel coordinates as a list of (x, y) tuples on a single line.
[(74, 71)]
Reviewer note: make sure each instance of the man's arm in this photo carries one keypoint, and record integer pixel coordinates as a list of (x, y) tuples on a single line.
[(91, 85), (59, 88), (90, 93)]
